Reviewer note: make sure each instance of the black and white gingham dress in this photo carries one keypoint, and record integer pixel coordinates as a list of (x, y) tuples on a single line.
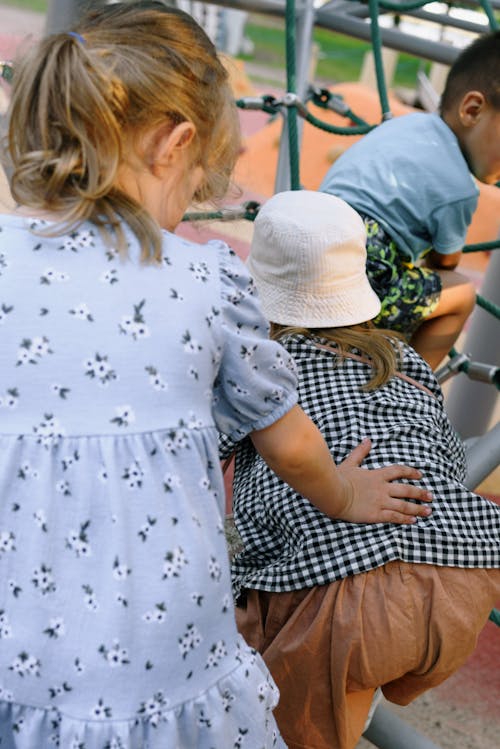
[(289, 544)]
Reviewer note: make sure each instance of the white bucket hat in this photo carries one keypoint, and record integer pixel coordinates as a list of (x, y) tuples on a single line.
[(308, 258)]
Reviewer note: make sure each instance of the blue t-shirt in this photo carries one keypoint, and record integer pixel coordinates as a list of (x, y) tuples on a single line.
[(411, 176)]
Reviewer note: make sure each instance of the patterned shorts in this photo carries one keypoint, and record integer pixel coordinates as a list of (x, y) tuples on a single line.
[(408, 293)]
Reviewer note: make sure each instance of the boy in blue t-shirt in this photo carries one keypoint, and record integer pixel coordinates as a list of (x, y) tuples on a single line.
[(412, 180)]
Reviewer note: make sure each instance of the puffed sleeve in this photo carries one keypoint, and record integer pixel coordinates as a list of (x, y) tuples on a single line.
[(256, 383)]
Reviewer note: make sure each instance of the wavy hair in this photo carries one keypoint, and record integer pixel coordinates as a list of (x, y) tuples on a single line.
[(382, 347), (80, 103)]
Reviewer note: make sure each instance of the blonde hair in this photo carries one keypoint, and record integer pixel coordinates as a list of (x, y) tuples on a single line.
[(80, 103), (382, 347)]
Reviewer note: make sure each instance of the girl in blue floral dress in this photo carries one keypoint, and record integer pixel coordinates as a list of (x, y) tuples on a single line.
[(124, 349)]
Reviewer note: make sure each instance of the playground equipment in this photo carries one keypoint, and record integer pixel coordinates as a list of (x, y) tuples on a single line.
[(480, 364)]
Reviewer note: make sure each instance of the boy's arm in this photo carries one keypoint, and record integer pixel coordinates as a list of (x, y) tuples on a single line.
[(295, 450), (437, 260)]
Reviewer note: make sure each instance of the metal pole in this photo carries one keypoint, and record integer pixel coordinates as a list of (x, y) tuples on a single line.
[(304, 25), (483, 456), (470, 405), (63, 14)]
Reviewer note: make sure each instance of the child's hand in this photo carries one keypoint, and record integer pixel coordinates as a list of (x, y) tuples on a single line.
[(371, 497)]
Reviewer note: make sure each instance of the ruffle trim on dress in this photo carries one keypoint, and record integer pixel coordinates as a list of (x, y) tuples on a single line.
[(234, 713)]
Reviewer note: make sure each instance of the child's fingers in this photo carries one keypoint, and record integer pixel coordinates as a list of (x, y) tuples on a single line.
[(404, 513), (410, 491), (391, 473), (357, 456)]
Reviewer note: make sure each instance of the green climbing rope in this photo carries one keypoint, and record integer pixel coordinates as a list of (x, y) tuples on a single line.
[(493, 245), (377, 57), (493, 309)]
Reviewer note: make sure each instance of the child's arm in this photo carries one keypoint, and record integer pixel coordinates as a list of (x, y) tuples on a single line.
[(296, 451), (437, 260)]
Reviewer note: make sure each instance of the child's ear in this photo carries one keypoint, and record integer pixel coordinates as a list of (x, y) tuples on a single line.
[(167, 144), (471, 108)]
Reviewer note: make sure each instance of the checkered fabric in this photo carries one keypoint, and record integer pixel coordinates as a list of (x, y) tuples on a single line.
[(289, 544)]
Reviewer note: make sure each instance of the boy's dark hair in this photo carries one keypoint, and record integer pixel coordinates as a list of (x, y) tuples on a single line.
[(477, 68)]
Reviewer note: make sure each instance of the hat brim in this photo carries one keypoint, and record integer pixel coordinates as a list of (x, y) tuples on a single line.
[(347, 306)]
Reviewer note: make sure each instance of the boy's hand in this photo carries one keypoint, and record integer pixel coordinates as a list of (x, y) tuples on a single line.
[(371, 497)]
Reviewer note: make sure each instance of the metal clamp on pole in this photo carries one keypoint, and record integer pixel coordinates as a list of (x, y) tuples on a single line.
[(455, 365), (324, 98), (292, 100), (484, 373)]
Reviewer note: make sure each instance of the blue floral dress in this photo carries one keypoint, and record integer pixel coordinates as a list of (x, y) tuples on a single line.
[(116, 619)]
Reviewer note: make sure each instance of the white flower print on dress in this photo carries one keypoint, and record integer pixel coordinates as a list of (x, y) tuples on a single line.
[(218, 651), (6, 695), (100, 711), (171, 481), (25, 665), (32, 350), (211, 318), (60, 689), (60, 390), (177, 439), (154, 709), (175, 560), (78, 240), (200, 271), (109, 276), (120, 571), (115, 655), (190, 640), (79, 667), (135, 325), (26, 472), (157, 616), (78, 541), (3, 263), (124, 416), (55, 628), (14, 588), (63, 487), (69, 460), (145, 528), (49, 431), (214, 569), (99, 369), (43, 579), (89, 599), (10, 399), (7, 542), (41, 520), (155, 379), (114, 743), (50, 276), (190, 344), (82, 312), (5, 309), (174, 294), (133, 475), (238, 389), (5, 628), (102, 475), (227, 700)]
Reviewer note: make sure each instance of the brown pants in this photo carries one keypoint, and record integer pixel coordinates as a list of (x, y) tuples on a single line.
[(404, 627)]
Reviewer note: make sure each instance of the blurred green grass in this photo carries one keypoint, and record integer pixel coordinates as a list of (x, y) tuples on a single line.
[(340, 57)]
